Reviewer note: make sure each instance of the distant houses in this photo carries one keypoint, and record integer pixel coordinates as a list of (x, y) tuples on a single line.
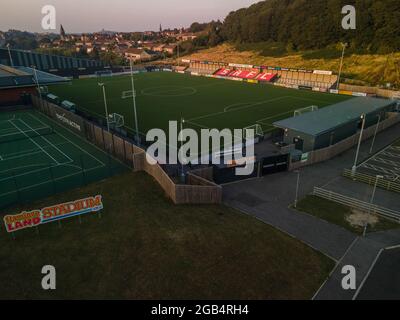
[(139, 55), (136, 46)]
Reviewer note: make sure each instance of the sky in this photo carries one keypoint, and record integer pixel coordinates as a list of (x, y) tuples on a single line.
[(115, 15)]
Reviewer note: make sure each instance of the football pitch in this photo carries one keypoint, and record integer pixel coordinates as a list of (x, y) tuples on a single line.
[(39, 158), (202, 102)]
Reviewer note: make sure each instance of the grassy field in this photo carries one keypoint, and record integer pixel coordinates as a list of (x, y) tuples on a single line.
[(144, 247), (364, 69), (339, 214), (202, 102)]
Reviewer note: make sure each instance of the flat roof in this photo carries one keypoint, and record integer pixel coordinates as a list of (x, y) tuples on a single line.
[(325, 119), (14, 77), (44, 78)]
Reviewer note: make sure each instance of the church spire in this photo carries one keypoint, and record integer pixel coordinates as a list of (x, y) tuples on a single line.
[(62, 33)]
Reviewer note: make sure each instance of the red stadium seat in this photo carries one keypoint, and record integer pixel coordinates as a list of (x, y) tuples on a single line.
[(244, 74), (223, 72), (264, 76)]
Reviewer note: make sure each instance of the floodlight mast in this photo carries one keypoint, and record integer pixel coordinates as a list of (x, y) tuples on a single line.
[(105, 105), (341, 65), (363, 118), (37, 84), (9, 54), (134, 103)]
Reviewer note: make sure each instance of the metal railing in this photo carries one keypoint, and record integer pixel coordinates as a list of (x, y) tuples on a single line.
[(356, 204), (372, 180)]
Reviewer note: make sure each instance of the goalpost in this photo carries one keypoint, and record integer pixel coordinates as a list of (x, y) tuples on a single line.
[(116, 120), (301, 111), (127, 94), (258, 131)]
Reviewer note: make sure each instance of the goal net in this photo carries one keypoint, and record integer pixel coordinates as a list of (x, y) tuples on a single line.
[(258, 131), (103, 73), (301, 111), (116, 120), (127, 94)]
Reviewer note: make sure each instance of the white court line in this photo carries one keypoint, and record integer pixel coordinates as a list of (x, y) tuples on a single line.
[(55, 179), (45, 139), (20, 155), (58, 133), (22, 167), (34, 142), (27, 151)]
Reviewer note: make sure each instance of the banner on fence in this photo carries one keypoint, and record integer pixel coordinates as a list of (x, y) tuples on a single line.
[(57, 212), (324, 72), (346, 93), (237, 65), (66, 118)]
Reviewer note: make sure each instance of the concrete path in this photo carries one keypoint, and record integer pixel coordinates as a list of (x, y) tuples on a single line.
[(268, 199)]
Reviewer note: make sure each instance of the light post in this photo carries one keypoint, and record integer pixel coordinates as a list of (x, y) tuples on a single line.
[(344, 45), (354, 169), (134, 103), (375, 187), (297, 188), (376, 132), (9, 54), (105, 105), (37, 85)]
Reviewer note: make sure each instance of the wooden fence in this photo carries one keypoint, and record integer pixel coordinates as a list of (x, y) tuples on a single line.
[(370, 90), (197, 191)]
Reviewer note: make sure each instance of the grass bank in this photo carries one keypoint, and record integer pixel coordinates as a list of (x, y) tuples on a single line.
[(144, 247)]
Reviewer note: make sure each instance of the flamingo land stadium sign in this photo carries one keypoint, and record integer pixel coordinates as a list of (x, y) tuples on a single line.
[(29, 219)]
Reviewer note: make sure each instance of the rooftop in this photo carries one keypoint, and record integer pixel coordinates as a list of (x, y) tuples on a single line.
[(325, 119), (12, 77)]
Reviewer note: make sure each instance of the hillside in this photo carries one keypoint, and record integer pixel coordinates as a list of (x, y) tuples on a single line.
[(365, 69), (316, 24)]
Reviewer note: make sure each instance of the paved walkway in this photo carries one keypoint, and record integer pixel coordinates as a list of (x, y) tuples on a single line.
[(268, 200), (362, 254)]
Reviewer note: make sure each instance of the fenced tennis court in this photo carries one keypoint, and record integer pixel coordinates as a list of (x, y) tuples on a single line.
[(38, 158)]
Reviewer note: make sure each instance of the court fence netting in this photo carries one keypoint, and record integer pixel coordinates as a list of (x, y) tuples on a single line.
[(114, 144), (18, 187)]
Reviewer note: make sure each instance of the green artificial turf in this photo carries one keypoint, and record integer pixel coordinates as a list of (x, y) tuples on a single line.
[(202, 102)]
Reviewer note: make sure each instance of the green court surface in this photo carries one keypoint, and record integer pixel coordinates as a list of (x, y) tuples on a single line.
[(39, 158), (202, 102)]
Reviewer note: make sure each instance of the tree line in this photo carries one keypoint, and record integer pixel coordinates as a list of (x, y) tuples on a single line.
[(315, 24)]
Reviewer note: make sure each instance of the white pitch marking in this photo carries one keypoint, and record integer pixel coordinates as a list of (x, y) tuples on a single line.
[(34, 142)]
